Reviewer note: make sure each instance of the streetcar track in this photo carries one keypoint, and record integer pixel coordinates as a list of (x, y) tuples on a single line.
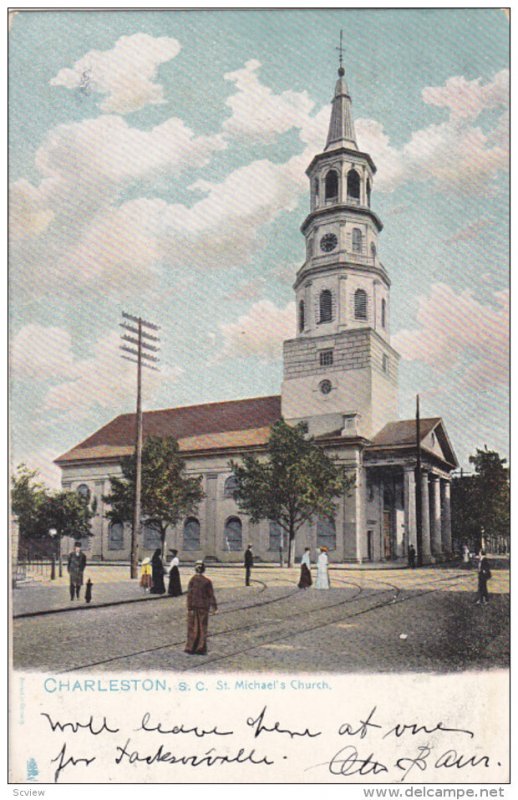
[(222, 632), (361, 591), (375, 607)]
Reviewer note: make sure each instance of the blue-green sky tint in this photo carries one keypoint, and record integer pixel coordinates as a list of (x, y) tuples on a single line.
[(157, 165)]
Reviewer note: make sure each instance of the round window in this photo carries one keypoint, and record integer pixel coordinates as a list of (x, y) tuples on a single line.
[(325, 386)]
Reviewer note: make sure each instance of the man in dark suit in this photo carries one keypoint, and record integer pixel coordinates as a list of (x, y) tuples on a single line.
[(484, 574), (76, 567), (200, 601), (249, 563)]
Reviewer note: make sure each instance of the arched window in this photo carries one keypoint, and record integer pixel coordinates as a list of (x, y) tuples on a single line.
[(231, 486), (151, 535), (275, 539), (191, 534), (383, 313), (84, 492), (116, 536), (360, 304), (332, 185), (233, 534), (373, 250), (316, 191), (302, 320), (368, 193), (326, 533), (353, 185), (357, 240), (326, 306)]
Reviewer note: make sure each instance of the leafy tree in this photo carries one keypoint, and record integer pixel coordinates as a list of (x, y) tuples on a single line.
[(480, 502), (167, 492), (40, 510), (295, 482), (27, 499)]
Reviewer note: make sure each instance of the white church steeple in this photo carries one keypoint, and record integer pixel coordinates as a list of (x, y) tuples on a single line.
[(341, 356)]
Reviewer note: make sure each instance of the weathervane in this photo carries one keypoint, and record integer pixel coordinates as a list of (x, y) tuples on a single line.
[(341, 52)]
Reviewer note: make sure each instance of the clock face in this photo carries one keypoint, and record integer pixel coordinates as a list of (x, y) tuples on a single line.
[(328, 242), (325, 386)]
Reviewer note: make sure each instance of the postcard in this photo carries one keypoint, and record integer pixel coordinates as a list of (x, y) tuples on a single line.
[(259, 334)]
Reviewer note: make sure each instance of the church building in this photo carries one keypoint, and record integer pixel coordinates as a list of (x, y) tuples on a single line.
[(340, 379)]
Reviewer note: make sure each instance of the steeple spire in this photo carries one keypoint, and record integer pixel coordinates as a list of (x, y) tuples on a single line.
[(341, 126)]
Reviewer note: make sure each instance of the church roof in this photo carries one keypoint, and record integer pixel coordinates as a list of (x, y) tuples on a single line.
[(404, 431), (402, 434), (234, 423)]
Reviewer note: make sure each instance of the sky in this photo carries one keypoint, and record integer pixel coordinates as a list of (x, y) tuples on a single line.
[(157, 166)]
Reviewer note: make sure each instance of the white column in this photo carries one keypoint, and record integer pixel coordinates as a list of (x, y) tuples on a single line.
[(435, 515), (425, 514), (446, 516), (409, 503)]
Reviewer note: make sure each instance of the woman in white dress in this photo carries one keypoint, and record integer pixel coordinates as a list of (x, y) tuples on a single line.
[(322, 573)]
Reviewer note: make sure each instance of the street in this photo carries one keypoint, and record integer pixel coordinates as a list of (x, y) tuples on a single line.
[(385, 620)]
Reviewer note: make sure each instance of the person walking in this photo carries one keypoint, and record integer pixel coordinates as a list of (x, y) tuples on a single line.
[(157, 573), (76, 567), (411, 556), (465, 554), (322, 570), (200, 601), (174, 588), (484, 574), (305, 570), (249, 563)]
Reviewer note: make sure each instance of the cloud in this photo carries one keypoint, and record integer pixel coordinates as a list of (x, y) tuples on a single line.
[(125, 74), (467, 99), (28, 214), (41, 460), (458, 334), (454, 155), (74, 215), (258, 113), (103, 381), (41, 353), (260, 332)]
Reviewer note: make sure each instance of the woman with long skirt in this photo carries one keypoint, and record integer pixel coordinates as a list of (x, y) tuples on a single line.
[(305, 570), (157, 573), (175, 585), (322, 573)]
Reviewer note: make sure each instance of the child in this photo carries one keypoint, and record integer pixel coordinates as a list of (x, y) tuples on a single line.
[(145, 575)]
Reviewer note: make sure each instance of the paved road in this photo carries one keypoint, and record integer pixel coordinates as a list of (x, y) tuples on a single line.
[(355, 626)]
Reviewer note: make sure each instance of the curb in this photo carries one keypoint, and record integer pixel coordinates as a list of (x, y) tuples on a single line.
[(86, 607)]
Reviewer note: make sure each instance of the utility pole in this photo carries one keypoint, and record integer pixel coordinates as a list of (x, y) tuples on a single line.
[(418, 487), (141, 359)]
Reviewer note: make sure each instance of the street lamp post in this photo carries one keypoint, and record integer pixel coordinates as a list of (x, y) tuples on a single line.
[(52, 534)]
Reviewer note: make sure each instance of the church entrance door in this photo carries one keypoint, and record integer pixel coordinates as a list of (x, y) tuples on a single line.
[(387, 535)]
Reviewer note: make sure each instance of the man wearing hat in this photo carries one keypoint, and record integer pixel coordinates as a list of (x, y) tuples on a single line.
[(76, 566), (249, 563), (200, 601)]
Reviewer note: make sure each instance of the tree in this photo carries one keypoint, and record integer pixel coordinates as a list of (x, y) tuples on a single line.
[(68, 514), (480, 502), (27, 498), (40, 510), (293, 483), (167, 492)]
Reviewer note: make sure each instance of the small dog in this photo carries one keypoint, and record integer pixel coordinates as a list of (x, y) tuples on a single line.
[(88, 591)]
